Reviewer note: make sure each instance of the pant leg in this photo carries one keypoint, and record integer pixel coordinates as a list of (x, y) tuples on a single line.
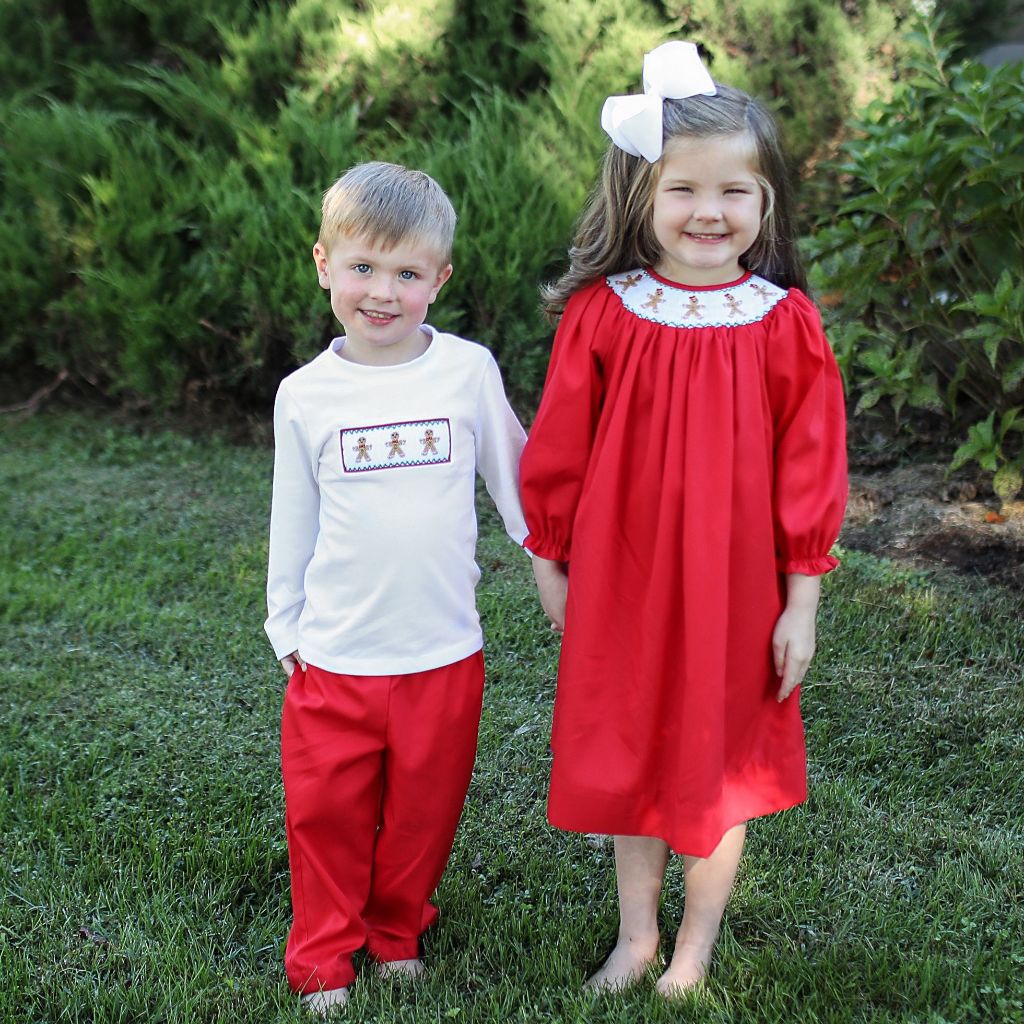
[(333, 731), (433, 723)]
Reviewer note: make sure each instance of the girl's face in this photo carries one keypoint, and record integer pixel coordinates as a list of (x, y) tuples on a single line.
[(707, 208)]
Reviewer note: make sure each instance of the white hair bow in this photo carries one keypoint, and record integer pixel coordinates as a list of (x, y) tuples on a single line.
[(671, 71)]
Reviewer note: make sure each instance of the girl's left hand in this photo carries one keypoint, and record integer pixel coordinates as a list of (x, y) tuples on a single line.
[(793, 648)]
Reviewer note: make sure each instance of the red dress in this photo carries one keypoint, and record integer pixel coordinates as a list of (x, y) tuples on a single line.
[(689, 450)]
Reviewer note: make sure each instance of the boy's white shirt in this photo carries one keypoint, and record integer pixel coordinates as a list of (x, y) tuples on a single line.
[(373, 525)]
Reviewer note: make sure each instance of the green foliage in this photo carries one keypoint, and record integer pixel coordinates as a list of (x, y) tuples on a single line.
[(145, 869), (921, 264), (166, 157), (814, 62)]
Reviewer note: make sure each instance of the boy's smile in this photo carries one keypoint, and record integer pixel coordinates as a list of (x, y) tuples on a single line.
[(707, 209), (381, 295)]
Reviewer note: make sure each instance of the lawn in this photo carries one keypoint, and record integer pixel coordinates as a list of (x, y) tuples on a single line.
[(144, 870)]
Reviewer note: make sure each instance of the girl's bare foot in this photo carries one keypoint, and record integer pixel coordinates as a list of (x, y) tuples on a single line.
[(326, 1001), (408, 970), (627, 963), (686, 971)]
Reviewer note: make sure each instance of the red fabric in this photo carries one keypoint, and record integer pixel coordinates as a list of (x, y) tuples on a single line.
[(376, 770), (680, 471)]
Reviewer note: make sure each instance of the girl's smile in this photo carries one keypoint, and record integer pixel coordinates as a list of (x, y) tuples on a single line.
[(707, 209)]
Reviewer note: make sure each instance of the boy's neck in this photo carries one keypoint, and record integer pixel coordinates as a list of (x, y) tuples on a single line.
[(389, 355)]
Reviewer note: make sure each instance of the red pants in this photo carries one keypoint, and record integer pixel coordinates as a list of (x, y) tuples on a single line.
[(375, 770)]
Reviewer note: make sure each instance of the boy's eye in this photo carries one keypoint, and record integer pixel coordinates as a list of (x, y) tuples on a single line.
[(362, 268), (407, 275)]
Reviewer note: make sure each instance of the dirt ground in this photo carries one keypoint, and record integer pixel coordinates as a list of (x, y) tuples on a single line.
[(912, 513)]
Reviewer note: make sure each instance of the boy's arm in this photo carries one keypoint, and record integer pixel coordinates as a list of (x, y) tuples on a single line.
[(294, 524), (499, 443)]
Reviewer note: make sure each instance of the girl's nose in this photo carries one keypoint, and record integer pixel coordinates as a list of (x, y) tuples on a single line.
[(708, 210)]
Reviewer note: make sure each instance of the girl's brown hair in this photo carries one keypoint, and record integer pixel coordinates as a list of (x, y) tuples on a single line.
[(615, 232)]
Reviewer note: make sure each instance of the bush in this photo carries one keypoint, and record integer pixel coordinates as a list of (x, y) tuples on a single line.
[(169, 157), (921, 265)]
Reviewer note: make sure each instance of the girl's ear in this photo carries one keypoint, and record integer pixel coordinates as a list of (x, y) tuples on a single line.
[(320, 259), (442, 276)]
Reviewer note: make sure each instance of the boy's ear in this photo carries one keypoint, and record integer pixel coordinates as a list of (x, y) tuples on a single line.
[(320, 259), (442, 276)]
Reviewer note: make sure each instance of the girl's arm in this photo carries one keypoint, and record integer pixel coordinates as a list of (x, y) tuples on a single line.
[(557, 452), (552, 586), (793, 639)]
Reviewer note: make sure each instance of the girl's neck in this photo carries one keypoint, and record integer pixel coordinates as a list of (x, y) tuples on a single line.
[(693, 279)]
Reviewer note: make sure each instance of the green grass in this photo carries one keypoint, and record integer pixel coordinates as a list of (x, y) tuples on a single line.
[(143, 868)]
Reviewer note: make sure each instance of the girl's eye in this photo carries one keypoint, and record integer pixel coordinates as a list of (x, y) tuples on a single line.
[(362, 268)]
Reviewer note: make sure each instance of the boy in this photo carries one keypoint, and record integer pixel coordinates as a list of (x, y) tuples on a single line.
[(371, 581)]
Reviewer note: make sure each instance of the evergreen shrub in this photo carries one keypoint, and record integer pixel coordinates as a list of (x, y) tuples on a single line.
[(921, 265), (167, 159)]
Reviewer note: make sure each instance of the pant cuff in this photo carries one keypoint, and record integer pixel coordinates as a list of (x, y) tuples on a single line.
[(386, 950), (340, 976)]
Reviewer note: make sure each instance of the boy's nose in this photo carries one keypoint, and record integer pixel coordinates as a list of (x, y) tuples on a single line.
[(382, 287)]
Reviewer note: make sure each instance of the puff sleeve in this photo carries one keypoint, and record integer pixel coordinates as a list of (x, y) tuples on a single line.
[(808, 412), (558, 448)]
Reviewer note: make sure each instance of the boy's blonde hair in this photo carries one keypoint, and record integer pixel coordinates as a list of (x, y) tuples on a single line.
[(388, 204)]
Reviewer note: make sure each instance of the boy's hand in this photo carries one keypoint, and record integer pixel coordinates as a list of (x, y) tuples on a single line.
[(290, 661), (552, 586), (793, 638)]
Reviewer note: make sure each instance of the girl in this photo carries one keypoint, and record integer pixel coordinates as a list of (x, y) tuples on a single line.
[(683, 483)]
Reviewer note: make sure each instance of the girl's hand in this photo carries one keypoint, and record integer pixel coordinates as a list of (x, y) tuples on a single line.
[(793, 639), (290, 661), (793, 648), (553, 587)]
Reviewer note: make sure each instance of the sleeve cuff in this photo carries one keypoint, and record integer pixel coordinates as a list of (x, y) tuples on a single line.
[(546, 549), (808, 566)]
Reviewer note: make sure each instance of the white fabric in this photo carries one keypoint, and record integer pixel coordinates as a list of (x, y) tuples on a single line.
[(676, 305), (671, 71), (372, 545)]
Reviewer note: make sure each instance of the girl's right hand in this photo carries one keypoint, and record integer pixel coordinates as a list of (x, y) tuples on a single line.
[(292, 661), (553, 587)]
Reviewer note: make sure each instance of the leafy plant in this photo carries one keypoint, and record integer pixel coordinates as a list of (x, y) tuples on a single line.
[(921, 263)]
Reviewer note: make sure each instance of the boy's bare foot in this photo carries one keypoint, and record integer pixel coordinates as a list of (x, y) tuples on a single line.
[(326, 1001), (687, 970), (627, 963), (403, 969)]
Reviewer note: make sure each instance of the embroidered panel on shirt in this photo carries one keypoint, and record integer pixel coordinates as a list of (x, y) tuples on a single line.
[(649, 299), (396, 445)]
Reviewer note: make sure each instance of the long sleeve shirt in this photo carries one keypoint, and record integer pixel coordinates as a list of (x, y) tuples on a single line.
[(373, 525)]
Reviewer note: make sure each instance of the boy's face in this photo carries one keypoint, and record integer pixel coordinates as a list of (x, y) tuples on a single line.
[(380, 295)]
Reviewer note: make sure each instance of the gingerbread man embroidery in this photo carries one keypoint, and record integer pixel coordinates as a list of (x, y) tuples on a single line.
[(735, 309), (395, 445), (362, 449), (655, 300), (762, 291), (693, 308), (629, 280), (429, 442)]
